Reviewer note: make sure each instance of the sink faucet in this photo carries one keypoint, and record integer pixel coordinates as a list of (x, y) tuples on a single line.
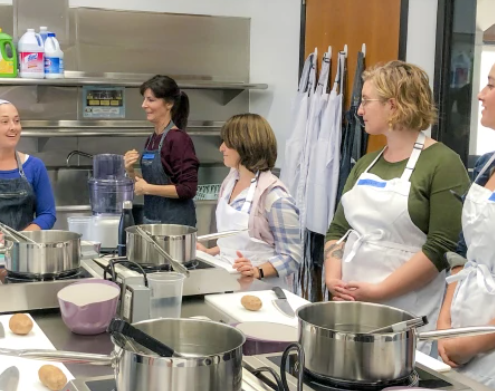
[(76, 152)]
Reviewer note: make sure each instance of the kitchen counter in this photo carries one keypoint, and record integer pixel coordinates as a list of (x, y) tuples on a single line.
[(52, 325), (63, 339)]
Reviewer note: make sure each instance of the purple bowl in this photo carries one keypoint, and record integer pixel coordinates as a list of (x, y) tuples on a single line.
[(88, 310), (269, 337)]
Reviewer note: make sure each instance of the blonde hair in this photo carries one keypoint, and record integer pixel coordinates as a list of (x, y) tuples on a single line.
[(252, 137), (409, 86)]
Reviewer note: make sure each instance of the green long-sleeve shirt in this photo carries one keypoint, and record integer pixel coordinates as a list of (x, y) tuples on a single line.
[(432, 207)]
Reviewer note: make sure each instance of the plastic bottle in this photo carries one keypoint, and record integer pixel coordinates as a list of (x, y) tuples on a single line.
[(54, 58), (126, 220), (8, 56), (44, 33), (31, 56)]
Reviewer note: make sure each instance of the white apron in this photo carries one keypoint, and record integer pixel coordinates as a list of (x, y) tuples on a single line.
[(294, 146), (323, 175), (474, 299), (229, 219), (384, 238)]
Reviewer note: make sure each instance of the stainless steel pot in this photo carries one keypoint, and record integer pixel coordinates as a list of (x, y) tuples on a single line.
[(179, 241), (211, 363), (55, 252), (336, 344)]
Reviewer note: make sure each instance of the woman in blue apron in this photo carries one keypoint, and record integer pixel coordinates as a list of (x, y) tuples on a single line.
[(470, 298), (26, 196), (169, 165)]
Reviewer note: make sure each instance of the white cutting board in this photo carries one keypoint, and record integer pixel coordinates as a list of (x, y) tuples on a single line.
[(230, 304), (28, 369), (431, 362)]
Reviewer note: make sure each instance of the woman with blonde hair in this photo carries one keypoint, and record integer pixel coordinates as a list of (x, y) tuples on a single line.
[(255, 200), (397, 216)]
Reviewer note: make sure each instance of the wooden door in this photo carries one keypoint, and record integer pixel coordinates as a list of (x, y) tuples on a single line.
[(354, 22)]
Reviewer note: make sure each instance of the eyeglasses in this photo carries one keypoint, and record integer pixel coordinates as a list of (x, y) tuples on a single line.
[(364, 101)]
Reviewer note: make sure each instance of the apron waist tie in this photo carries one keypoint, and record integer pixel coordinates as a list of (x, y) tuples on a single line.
[(375, 236), (484, 277)]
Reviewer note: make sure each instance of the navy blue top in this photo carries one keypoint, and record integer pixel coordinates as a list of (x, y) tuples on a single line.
[(37, 176), (461, 245)]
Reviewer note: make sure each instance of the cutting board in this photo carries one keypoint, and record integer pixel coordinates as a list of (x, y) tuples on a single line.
[(230, 304), (431, 362), (28, 369)]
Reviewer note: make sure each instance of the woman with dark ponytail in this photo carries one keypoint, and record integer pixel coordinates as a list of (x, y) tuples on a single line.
[(169, 164)]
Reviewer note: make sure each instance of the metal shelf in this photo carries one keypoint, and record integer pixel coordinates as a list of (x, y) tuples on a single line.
[(79, 79), (102, 128)]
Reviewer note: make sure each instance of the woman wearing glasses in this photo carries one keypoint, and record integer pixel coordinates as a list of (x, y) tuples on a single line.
[(397, 216)]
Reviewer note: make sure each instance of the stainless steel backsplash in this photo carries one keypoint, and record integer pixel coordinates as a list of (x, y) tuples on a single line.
[(186, 47)]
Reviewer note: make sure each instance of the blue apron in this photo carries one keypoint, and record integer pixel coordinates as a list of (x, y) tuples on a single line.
[(162, 210), (17, 200)]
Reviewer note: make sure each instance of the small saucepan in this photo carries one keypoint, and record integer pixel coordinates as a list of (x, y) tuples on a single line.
[(179, 241), (330, 330)]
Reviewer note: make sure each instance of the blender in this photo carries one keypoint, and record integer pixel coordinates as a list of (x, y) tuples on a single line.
[(109, 187)]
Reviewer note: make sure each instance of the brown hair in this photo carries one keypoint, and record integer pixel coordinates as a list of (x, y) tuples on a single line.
[(409, 86), (252, 137)]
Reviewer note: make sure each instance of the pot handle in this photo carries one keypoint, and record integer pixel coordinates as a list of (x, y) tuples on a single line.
[(62, 356), (219, 235), (457, 332), (301, 362)]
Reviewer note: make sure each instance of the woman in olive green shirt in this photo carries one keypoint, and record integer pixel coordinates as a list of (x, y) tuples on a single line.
[(397, 216)]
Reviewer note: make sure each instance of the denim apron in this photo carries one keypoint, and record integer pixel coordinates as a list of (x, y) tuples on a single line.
[(17, 200), (162, 210)]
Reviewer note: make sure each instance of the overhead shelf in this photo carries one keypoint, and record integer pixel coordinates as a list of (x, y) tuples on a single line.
[(79, 79), (123, 128)]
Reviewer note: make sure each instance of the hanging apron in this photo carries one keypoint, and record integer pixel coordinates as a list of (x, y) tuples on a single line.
[(229, 219), (162, 210), (355, 139), (384, 238), (323, 172), (309, 142), (474, 299), (17, 200), (290, 172)]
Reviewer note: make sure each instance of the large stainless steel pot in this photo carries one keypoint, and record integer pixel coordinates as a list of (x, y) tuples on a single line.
[(212, 362), (333, 337), (56, 252), (179, 241)]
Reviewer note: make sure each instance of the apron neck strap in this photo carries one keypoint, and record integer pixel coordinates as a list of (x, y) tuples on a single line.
[(375, 160), (250, 195), (19, 164), (485, 167), (167, 129), (411, 163)]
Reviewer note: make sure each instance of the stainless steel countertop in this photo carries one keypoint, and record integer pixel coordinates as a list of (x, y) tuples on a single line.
[(63, 339)]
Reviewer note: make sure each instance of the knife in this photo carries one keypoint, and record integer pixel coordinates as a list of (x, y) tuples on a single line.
[(9, 379), (2, 333), (282, 304)]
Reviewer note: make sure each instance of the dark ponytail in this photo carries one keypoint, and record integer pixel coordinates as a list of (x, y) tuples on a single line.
[(166, 88), (180, 111)]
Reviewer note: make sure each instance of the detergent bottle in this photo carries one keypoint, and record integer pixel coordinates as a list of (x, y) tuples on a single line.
[(31, 55), (8, 56)]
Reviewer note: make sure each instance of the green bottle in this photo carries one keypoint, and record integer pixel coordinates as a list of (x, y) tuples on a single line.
[(8, 56)]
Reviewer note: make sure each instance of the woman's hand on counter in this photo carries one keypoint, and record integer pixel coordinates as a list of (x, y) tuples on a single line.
[(212, 251), (245, 267), (32, 227)]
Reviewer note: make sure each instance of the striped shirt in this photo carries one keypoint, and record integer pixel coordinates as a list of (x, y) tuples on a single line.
[(283, 219)]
